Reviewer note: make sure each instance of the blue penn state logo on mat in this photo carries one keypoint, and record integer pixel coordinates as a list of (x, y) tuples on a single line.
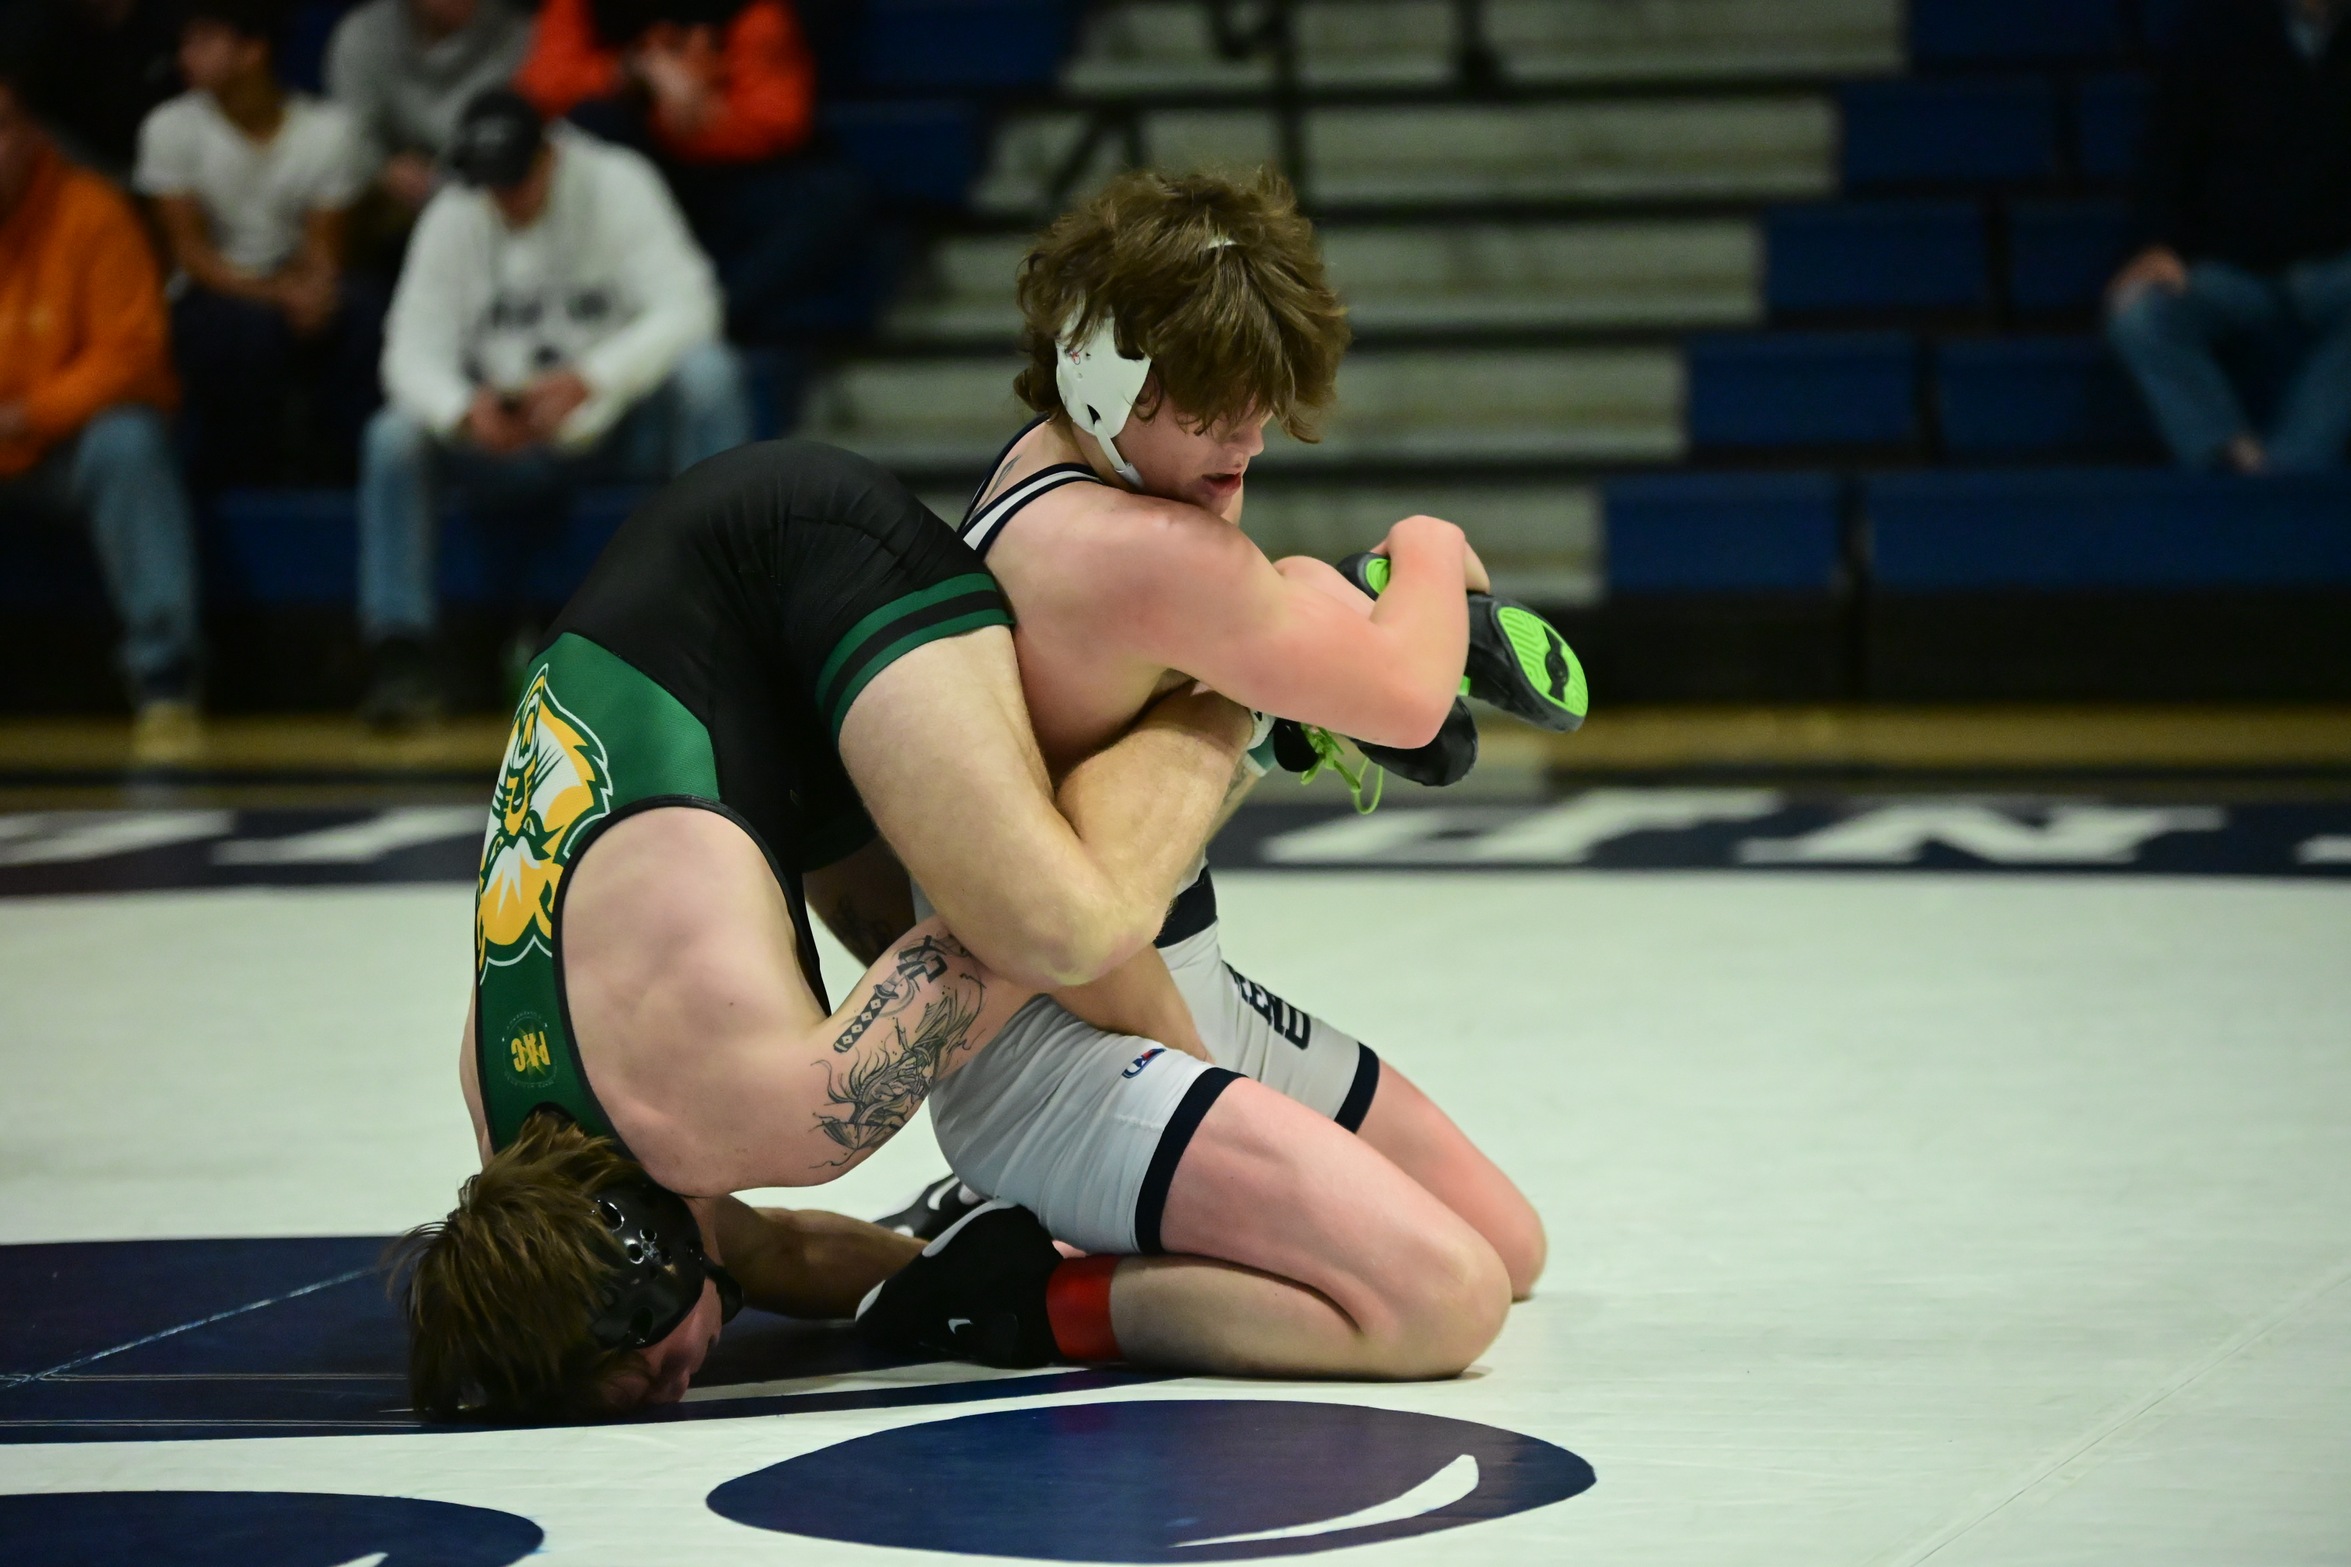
[(256, 1529), (1157, 1480)]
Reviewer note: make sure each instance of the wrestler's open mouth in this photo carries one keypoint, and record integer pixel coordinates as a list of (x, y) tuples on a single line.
[(1221, 484)]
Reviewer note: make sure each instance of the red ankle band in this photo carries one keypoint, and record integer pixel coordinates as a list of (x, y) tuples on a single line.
[(1077, 1304)]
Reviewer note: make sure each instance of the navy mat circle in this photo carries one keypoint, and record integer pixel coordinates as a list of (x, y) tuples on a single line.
[(255, 1529), (1157, 1480)]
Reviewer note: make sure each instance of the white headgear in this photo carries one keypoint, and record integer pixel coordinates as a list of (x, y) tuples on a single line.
[(1099, 385)]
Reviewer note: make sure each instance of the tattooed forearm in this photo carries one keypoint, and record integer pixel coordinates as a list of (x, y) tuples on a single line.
[(872, 1097), (918, 963)]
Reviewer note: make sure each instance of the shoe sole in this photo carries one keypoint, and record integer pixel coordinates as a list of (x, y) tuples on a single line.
[(1524, 666)]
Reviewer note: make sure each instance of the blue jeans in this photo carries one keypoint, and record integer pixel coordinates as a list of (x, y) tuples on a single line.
[(2204, 357), (700, 411), (122, 476)]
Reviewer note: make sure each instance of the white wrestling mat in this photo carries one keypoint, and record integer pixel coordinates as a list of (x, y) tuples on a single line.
[(1896, 1216)]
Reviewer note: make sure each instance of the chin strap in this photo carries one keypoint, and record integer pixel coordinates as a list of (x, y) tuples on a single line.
[(1126, 470)]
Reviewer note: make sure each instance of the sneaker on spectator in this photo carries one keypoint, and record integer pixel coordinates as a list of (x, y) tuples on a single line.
[(166, 732), (166, 726), (402, 693)]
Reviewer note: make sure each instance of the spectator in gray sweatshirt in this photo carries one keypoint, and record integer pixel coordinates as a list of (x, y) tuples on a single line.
[(406, 69)]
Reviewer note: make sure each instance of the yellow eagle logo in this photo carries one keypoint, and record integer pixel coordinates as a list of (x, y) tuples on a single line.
[(554, 782)]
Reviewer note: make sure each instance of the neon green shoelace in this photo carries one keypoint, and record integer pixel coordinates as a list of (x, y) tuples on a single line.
[(1327, 753)]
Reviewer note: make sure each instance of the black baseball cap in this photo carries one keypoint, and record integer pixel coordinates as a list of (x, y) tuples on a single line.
[(497, 137)]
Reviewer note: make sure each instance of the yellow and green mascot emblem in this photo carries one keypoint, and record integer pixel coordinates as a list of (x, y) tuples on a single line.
[(554, 783)]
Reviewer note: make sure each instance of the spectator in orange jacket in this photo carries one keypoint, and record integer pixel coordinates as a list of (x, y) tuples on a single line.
[(722, 95), (85, 382)]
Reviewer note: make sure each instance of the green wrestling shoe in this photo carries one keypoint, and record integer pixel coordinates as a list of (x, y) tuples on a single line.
[(1518, 661)]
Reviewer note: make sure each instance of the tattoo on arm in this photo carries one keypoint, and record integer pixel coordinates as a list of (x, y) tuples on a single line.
[(923, 961), (869, 1098)]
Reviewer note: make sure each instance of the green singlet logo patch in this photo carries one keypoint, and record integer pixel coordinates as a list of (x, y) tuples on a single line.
[(554, 782), (525, 1053)]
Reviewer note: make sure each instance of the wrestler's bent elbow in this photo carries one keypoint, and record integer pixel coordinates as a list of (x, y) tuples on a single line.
[(1062, 943), (1423, 711)]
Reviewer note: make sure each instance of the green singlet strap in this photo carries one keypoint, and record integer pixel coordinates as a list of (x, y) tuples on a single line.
[(592, 738)]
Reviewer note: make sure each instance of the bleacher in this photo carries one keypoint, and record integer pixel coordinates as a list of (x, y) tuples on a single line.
[(1763, 334), (1758, 336)]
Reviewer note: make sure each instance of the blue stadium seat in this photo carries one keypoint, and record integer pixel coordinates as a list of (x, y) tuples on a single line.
[(301, 547), (2113, 120), (1803, 389), (925, 153), (1725, 533), (1949, 132), (1876, 255), (284, 547), (1976, 32), (2061, 254), (553, 571), (2106, 529), (934, 45), (2038, 397)]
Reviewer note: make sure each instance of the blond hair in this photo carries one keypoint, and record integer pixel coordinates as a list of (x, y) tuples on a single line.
[(500, 1297), (1218, 280)]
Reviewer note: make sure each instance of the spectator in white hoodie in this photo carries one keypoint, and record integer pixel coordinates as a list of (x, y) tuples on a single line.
[(554, 324)]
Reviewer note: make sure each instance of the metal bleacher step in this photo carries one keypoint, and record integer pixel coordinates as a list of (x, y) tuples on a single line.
[(1767, 148), (1423, 278), (1170, 46), (1444, 408), (1541, 539)]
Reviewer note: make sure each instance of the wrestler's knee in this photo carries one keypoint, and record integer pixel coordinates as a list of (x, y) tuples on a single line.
[(1405, 1124), (1442, 1304)]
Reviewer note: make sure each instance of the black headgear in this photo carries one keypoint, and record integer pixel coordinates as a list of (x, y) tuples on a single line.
[(658, 1280)]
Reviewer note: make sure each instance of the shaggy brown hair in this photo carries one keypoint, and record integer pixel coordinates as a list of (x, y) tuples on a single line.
[(1234, 331), (500, 1296)]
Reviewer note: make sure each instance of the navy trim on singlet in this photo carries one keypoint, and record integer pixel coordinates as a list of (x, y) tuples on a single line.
[(979, 530), (1357, 1104), (1190, 1111), (1193, 911), (981, 524)]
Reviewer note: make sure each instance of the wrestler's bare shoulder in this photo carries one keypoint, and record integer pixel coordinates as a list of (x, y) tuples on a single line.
[(1117, 553)]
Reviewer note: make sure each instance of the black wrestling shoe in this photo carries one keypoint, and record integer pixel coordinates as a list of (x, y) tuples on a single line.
[(1444, 761), (934, 1208), (975, 1293), (1518, 661)]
